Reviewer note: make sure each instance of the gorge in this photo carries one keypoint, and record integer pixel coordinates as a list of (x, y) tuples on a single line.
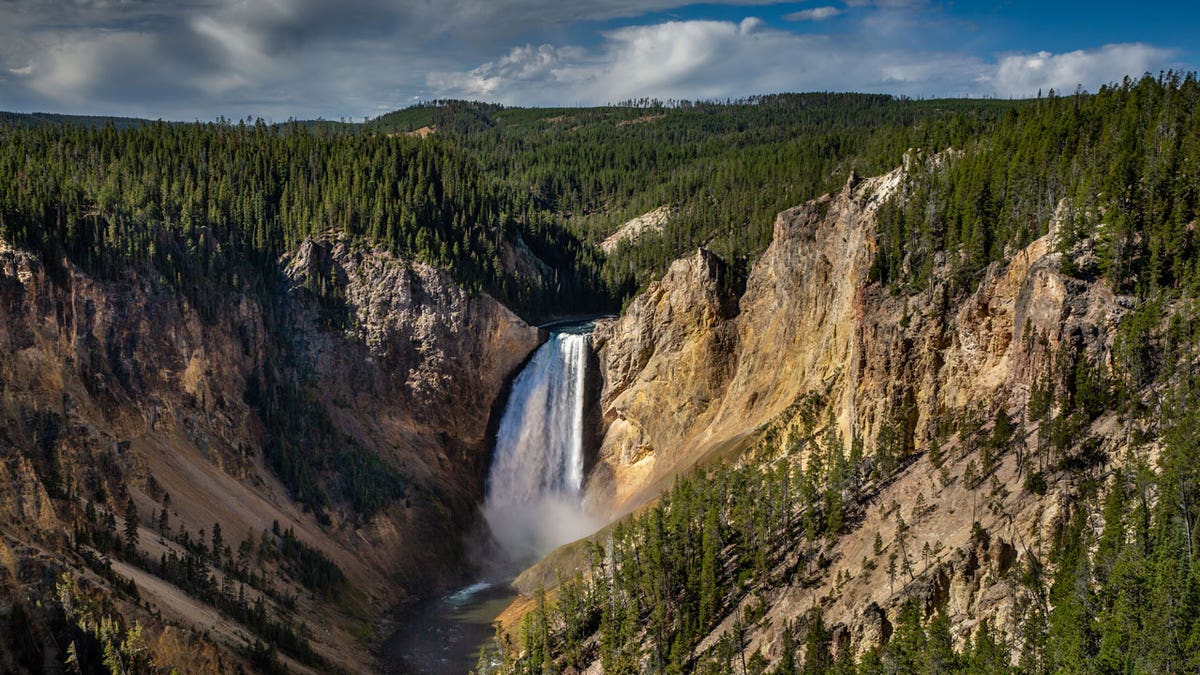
[(889, 386)]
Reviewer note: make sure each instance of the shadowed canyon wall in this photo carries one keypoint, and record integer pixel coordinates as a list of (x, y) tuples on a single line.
[(122, 390)]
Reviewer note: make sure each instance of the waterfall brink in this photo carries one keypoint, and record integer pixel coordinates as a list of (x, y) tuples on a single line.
[(533, 489)]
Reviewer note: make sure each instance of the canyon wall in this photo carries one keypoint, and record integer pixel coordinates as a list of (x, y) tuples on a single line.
[(694, 372), (122, 389)]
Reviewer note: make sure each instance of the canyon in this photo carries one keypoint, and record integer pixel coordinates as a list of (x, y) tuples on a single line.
[(316, 397), (699, 372), (131, 391)]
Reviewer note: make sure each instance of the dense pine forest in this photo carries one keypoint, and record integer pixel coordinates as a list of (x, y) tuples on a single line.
[(220, 202), (1119, 591), (211, 207), (192, 199), (1122, 162), (725, 168)]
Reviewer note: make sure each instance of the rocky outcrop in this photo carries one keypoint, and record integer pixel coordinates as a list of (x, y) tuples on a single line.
[(123, 389), (651, 222), (666, 363), (687, 373), (690, 375), (417, 369), (747, 359)]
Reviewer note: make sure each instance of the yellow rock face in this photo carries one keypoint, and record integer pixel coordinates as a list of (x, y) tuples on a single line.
[(691, 372)]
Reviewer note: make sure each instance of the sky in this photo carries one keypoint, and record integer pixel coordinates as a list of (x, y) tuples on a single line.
[(350, 59)]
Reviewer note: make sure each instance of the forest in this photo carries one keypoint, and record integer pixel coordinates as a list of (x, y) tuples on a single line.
[(209, 208), (1125, 599), (222, 201), (725, 168)]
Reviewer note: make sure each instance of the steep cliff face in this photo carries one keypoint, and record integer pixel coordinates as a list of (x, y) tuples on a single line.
[(793, 329), (666, 363), (122, 390), (416, 372), (815, 341), (687, 371)]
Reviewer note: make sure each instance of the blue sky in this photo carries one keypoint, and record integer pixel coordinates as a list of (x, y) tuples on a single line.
[(1026, 25), (197, 59)]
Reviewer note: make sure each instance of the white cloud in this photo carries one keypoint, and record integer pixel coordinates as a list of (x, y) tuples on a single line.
[(527, 64), (1025, 74), (716, 59), (814, 14), (672, 59)]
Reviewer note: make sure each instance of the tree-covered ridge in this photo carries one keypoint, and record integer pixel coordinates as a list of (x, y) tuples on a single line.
[(86, 121), (1123, 163), (200, 199), (213, 206), (727, 167), (681, 586)]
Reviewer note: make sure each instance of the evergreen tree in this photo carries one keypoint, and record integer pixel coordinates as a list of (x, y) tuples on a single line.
[(130, 532)]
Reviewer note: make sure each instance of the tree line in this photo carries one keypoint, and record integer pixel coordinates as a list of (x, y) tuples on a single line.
[(209, 208)]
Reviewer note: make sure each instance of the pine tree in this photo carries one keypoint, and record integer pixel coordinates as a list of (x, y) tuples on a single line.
[(817, 658), (218, 545), (130, 532), (939, 656), (1071, 641), (907, 647)]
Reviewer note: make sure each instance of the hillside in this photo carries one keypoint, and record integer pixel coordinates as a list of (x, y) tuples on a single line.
[(242, 492), (723, 169), (945, 425), (84, 121), (211, 207)]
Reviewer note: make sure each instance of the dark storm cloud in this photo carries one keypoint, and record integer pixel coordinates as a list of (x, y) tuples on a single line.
[(87, 55)]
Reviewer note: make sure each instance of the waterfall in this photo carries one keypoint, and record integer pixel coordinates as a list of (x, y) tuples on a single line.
[(533, 489)]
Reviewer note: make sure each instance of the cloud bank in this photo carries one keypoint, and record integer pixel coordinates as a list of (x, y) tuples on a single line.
[(713, 59), (188, 59), (1021, 74)]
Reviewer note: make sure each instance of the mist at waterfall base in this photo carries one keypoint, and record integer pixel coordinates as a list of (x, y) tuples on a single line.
[(533, 501)]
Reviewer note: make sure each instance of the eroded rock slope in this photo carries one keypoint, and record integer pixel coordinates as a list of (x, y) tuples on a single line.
[(118, 392), (694, 371)]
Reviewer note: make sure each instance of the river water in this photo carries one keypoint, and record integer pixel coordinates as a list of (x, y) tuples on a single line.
[(443, 636)]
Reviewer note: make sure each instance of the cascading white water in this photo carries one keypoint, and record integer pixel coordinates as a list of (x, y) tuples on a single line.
[(533, 489)]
